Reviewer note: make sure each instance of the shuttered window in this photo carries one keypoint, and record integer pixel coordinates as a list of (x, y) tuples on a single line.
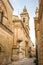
[(24, 20)]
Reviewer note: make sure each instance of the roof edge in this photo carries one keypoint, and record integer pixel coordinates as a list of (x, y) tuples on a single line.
[(10, 4)]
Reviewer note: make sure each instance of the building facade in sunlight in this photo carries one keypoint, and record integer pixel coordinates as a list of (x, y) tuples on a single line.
[(21, 35), (39, 33), (5, 32), (14, 34)]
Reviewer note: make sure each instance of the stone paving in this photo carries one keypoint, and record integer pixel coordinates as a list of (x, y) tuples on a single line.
[(25, 61)]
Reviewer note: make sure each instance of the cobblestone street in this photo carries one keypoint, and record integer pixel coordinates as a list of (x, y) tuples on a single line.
[(25, 61)]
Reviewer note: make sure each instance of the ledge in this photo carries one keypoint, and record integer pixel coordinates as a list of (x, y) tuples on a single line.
[(6, 29)]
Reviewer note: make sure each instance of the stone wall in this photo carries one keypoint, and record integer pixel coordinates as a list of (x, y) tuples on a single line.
[(7, 13), (5, 47), (6, 38), (39, 33)]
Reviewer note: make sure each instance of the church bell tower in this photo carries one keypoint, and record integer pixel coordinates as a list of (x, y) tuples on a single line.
[(25, 18)]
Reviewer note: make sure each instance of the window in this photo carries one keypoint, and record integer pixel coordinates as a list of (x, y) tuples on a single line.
[(26, 43), (0, 49), (0, 17), (24, 20)]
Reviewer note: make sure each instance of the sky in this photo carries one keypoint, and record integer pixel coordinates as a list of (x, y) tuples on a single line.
[(31, 5)]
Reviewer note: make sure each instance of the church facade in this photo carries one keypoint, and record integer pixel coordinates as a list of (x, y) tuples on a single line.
[(21, 35)]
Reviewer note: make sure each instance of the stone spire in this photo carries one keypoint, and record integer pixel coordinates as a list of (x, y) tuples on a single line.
[(24, 10)]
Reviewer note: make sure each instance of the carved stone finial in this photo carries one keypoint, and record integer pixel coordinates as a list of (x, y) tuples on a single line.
[(37, 12)]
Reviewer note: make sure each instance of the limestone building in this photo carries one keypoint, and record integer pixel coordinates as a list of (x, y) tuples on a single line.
[(39, 33), (37, 25), (32, 49), (21, 35), (5, 32)]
